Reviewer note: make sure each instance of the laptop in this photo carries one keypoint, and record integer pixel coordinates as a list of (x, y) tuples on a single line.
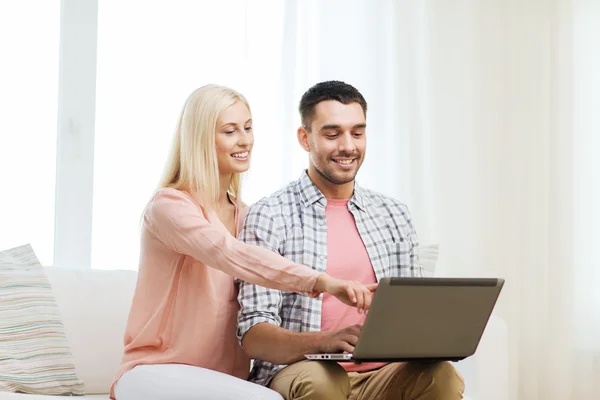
[(423, 319)]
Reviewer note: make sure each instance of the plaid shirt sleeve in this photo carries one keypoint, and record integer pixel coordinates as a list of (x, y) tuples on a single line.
[(258, 304)]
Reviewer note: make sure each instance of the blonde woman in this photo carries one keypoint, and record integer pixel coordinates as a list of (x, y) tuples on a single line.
[(180, 340)]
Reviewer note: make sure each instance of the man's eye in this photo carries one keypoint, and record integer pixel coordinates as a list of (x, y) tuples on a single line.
[(358, 134)]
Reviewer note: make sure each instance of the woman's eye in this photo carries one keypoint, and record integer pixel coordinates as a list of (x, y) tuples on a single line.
[(248, 128), (229, 132)]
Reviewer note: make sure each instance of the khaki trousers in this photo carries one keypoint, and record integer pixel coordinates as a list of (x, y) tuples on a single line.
[(326, 380)]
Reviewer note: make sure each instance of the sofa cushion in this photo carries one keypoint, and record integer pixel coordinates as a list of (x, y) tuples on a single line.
[(19, 396), (94, 305), (34, 352)]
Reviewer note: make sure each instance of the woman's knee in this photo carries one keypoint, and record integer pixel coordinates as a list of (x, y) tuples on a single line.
[(184, 382), (266, 395)]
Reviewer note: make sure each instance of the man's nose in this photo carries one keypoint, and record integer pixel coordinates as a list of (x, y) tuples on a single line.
[(346, 142)]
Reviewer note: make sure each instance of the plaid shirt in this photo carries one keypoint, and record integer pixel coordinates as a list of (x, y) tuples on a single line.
[(292, 222)]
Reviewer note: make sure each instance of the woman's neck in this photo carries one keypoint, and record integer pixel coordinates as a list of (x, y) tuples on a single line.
[(224, 184)]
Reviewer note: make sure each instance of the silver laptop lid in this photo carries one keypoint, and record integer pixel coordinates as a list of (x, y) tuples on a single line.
[(427, 318)]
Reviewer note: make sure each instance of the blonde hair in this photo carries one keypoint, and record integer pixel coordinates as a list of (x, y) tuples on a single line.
[(192, 161)]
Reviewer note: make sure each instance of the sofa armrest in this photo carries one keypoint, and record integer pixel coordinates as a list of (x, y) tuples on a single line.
[(486, 373)]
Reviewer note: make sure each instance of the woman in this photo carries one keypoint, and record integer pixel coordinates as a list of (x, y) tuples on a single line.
[(180, 340)]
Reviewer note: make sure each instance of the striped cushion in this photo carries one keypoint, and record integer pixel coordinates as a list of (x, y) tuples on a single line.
[(34, 353)]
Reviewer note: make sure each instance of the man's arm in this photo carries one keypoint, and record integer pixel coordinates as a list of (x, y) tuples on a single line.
[(279, 346), (259, 321), (283, 347), (259, 305)]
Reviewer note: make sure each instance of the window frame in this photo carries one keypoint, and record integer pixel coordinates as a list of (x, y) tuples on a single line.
[(75, 133)]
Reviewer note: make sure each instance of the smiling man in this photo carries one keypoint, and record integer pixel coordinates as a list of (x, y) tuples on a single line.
[(327, 221)]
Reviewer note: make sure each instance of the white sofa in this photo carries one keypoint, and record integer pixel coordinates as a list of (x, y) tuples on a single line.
[(94, 305)]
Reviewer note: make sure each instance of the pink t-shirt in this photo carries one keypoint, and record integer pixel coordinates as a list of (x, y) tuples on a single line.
[(347, 259)]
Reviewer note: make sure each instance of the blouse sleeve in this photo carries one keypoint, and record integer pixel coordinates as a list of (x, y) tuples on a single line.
[(179, 222)]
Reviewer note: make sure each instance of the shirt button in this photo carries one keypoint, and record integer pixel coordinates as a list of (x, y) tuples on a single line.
[(322, 257), (321, 222)]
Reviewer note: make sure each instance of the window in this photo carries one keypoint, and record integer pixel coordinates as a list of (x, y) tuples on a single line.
[(29, 42), (151, 55)]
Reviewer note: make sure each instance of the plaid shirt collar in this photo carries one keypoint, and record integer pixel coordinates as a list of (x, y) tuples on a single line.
[(310, 193)]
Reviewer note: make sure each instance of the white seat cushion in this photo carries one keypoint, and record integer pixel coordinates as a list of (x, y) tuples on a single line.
[(19, 396), (16, 396), (94, 305)]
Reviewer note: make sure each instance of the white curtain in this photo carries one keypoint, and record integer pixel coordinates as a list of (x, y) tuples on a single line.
[(483, 118), (501, 105)]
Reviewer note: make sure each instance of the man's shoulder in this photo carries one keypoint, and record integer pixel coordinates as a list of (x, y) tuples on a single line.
[(278, 203), (383, 201)]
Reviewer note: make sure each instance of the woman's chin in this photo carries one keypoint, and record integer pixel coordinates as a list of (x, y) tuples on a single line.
[(240, 168)]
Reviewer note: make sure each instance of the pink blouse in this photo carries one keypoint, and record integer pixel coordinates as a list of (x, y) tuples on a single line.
[(185, 305)]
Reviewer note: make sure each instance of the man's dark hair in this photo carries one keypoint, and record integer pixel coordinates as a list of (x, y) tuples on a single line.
[(329, 90)]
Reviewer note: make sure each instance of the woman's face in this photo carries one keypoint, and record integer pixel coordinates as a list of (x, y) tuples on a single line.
[(234, 139)]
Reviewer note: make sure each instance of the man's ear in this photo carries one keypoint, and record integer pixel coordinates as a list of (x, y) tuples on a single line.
[(303, 138)]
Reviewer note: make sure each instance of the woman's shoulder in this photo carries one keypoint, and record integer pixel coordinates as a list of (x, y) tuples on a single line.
[(168, 193), (171, 207), (168, 199)]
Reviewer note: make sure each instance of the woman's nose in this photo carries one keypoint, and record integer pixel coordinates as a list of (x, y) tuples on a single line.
[(244, 139)]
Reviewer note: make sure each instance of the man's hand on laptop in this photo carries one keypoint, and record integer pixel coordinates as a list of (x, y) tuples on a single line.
[(352, 293), (342, 340)]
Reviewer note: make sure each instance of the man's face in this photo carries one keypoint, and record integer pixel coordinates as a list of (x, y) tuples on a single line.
[(337, 140)]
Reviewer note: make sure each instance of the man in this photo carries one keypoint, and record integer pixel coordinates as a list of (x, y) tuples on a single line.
[(327, 221)]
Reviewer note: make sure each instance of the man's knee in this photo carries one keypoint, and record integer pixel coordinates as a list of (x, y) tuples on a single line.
[(323, 380), (320, 380), (445, 380)]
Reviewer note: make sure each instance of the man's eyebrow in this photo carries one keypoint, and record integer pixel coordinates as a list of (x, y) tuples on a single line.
[(335, 126), (330, 127)]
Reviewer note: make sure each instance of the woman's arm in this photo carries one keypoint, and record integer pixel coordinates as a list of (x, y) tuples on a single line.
[(178, 222), (175, 218)]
